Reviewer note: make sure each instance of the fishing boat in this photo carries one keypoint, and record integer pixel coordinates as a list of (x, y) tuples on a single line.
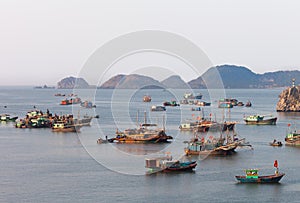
[(192, 96), (147, 98), (225, 103), (63, 127), (8, 118), (203, 103), (59, 95), (146, 133), (158, 108), (211, 146), (141, 135), (85, 121), (39, 122), (102, 141), (292, 138), (253, 177), (240, 104), (172, 103), (196, 109), (87, 104), (188, 126), (260, 120), (166, 164), (206, 125), (214, 146), (36, 119), (275, 143), (248, 104), (71, 101)]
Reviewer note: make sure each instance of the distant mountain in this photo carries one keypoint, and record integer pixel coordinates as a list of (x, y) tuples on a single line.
[(112, 82), (133, 81), (175, 82), (241, 77), (279, 78), (72, 82)]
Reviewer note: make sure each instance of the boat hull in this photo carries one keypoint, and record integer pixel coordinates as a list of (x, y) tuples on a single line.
[(67, 129), (218, 152), (292, 139), (185, 166), (141, 141), (261, 179), (292, 143), (176, 167), (275, 144)]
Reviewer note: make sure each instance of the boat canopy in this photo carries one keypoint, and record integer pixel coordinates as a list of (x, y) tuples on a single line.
[(252, 173)]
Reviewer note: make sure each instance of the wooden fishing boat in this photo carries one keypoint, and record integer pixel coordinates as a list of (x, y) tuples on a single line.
[(210, 149), (166, 164), (260, 120), (206, 125), (158, 108), (203, 103), (60, 95), (215, 146), (275, 143), (192, 96), (211, 146), (141, 135), (63, 127), (240, 104), (172, 103), (196, 109), (87, 104), (253, 177), (8, 118), (145, 133), (224, 103), (292, 138), (71, 101), (147, 98), (85, 121), (248, 104)]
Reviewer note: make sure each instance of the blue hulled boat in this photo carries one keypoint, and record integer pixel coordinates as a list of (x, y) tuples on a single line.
[(253, 177)]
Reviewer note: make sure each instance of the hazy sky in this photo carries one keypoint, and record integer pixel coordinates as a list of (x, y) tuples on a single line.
[(41, 42)]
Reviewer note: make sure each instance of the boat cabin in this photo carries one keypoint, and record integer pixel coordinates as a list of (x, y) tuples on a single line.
[(252, 173)]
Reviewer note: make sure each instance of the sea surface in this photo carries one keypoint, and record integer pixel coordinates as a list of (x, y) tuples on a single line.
[(37, 165)]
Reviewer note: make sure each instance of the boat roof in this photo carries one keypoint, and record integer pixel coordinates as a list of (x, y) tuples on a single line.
[(148, 124)]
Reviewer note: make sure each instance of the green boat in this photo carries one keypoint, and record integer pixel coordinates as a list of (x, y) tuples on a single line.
[(292, 138), (253, 177)]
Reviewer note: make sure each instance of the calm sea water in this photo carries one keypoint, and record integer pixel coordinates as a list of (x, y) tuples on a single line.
[(38, 165)]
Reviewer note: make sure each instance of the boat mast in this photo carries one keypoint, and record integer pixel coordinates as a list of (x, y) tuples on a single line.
[(137, 118), (145, 117), (164, 128)]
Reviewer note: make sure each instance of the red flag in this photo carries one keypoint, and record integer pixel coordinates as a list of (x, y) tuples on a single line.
[(275, 164), (289, 125)]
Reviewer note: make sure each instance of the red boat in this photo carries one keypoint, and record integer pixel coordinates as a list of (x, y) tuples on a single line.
[(71, 101)]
